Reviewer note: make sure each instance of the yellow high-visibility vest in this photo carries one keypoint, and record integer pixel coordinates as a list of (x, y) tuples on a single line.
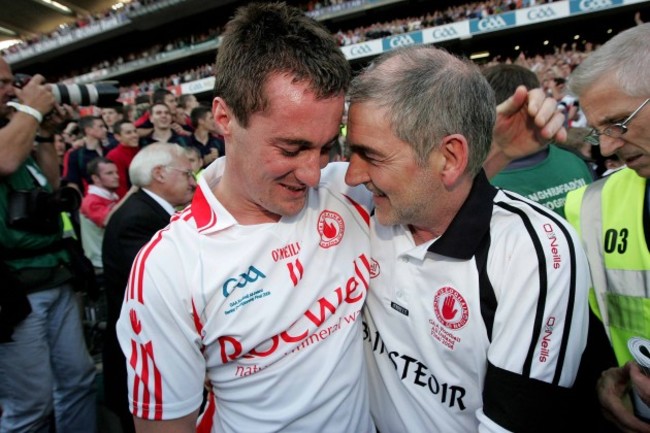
[(609, 216)]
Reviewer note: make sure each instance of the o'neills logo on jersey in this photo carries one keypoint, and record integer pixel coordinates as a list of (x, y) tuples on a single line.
[(450, 308), (331, 228), (374, 268), (545, 350), (550, 233), (286, 251)]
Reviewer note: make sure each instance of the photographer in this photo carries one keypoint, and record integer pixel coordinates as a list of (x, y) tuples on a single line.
[(44, 363)]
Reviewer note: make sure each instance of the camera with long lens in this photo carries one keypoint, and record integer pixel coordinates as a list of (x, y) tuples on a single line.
[(99, 94), (39, 211)]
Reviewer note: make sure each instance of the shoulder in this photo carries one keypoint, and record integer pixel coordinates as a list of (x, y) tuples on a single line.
[(514, 213)]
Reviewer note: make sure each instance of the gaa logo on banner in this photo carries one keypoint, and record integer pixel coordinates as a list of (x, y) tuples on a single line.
[(492, 23), (577, 6), (445, 32), (364, 49), (392, 42), (541, 14)]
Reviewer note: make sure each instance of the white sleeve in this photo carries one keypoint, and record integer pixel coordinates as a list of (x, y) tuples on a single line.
[(156, 331), (540, 277)]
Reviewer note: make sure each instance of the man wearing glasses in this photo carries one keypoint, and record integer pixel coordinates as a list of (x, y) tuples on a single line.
[(162, 182), (612, 215)]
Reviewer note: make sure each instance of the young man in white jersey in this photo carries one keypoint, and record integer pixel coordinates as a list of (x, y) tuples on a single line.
[(476, 319), (256, 288), (259, 284)]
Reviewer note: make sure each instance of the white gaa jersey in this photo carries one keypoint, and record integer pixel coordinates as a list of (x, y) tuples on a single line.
[(269, 314), (481, 329)]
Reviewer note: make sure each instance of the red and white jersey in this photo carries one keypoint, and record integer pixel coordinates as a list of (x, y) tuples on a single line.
[(481, 329), (269, 314)]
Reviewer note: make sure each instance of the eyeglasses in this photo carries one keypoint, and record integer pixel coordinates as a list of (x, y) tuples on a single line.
[(615, 130), (189, 173)]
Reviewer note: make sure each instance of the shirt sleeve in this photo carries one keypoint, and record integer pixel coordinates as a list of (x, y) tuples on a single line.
[(540, 277), (162, 346), (96, 209)]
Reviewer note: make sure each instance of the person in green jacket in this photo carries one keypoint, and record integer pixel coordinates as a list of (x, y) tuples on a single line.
[(45, 366)]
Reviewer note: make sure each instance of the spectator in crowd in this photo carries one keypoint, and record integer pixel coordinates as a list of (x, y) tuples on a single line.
[(459, 265), (45, 367), (61, 147), (161, 183), (162, 131), (178, 124), (129, 111), (187, 102), (566, 102), (547, 175), (205, 137), (124, 153), (142, 105), (96, 208), (94, 134), (258, 214), (196, 160), (111, 115), (613, 86)]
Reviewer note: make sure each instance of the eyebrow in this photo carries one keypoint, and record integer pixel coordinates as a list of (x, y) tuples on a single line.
[(355, 147), (305, 143), (608, 120)]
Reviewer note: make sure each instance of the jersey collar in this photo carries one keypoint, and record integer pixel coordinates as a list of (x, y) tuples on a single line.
[(471, 224)]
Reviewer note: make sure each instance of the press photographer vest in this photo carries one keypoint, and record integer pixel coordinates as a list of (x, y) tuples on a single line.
[(33, 258)]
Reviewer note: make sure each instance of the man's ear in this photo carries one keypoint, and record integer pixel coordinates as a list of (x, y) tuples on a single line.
[(157, 173), (455, 151), (223, 116)]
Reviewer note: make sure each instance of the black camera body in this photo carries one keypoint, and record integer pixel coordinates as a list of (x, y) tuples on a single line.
[(99, 94), (39, 211)]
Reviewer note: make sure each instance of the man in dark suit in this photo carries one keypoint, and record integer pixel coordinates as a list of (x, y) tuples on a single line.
[(162, 180)]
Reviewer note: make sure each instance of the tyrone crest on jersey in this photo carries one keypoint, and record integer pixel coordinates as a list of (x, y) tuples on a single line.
[(450, 308), (331, 228)]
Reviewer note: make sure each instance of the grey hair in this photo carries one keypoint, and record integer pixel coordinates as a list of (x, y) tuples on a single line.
[(428, 94), (625, 58), (150, 157)]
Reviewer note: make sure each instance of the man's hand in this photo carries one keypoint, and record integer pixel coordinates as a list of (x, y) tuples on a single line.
[(526, 123), (613, 393), (640, 381), (36, 95), (59, 115)]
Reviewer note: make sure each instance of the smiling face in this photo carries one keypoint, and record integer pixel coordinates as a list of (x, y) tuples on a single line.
[(128, 135), (403, 191), (272, 163), (161, 117), (604, 104)]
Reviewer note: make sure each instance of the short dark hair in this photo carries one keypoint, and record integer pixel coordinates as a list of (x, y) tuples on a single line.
[(87, 122), (93, 166), (505, 78), (197, 114), (159, 94), (267, 38), (117, 128)]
